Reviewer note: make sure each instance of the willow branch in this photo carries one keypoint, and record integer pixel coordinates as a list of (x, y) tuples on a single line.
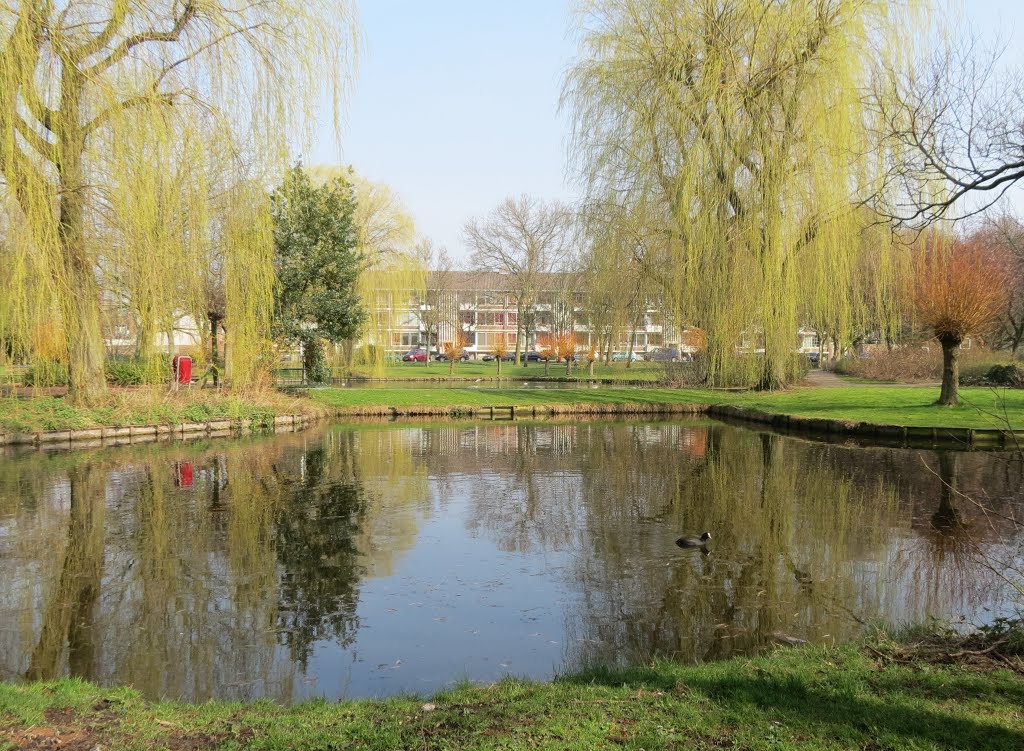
[(120, 52)]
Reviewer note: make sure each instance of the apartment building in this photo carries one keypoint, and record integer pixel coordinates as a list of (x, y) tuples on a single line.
[(483, 307)]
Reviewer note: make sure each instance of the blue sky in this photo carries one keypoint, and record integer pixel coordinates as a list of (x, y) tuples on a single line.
[(455, 103)]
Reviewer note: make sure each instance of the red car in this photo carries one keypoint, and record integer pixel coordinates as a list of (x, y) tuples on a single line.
[(415, 355)]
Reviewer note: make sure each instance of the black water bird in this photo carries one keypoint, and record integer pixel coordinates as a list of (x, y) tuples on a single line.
[(692, 542)]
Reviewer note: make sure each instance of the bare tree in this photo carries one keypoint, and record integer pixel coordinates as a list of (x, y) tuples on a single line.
[(955, 125), (528, 238), (1004, 235), (438, 311)]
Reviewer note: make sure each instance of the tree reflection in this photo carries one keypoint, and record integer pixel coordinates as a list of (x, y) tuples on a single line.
[(228, 586), (316, 528), (68, 616)]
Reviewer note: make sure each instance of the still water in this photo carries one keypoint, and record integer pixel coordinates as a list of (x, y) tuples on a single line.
[(356, 561)]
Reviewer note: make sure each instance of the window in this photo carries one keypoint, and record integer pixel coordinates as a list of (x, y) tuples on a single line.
[(488, 339), (411, 339), (467, 317)]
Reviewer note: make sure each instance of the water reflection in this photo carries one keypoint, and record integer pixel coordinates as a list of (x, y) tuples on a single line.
[(370, 560)]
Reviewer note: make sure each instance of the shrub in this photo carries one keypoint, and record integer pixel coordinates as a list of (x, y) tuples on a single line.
[(46, 373), (918, 362), (1005, 375), (125, 371), (678, 374)]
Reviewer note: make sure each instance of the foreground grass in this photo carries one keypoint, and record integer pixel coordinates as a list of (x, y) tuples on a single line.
[(980, 407), (154, 406), (807, 698)]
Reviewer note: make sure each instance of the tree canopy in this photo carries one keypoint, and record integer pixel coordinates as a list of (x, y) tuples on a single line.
[(742, 124), (317, 264), (111, 114)]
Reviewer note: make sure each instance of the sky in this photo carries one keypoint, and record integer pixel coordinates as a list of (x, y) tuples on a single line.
[(455, 102)]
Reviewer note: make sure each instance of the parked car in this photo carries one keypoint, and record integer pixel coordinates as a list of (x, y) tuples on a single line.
[(667, 354), (623, 356), (490, 357), (415, 355), (442, 357), (533, 356)]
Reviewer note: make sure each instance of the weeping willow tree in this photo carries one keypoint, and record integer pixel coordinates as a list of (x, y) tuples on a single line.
[(745, 120), (97, 98), (626, 263)]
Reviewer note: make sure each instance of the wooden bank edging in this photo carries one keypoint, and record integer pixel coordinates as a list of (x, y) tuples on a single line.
[(133, 434), (906, 435), (888, 435)]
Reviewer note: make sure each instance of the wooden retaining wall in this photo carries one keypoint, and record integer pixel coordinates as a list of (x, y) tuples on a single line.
[(843, 430), (132, 434)]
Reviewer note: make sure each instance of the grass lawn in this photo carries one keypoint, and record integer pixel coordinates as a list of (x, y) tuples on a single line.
[(472, 396), (980, 408), (638, 371), (849, 697), (145, 406)]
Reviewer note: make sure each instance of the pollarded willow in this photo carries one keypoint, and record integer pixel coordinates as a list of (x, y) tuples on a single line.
[(745, 120), (107, 109)]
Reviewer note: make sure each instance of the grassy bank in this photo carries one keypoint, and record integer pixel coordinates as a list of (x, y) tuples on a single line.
[(980, 408), (876, 696), (914, 407), (146, 406), (638, 371)]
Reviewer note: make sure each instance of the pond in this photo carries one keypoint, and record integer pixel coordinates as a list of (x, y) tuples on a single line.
[(374, 560)]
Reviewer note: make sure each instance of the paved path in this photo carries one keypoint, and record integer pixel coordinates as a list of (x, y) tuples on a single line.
[(824, 379), (828, 379)]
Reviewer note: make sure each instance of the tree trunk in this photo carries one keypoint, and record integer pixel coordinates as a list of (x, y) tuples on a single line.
[(632, 343), (499, 364), (81, 313), (519, 326), (591, 367), (451, 363), (71, 605), (947, 517), (568, 365), (547, 364), (80, 302), (950, 370), (214, 348)]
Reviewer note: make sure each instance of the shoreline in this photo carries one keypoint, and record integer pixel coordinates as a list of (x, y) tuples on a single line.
[(862, 432), (109, 436), (933, 690)]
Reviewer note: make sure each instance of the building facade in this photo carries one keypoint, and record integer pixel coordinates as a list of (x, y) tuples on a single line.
[(484, 310)]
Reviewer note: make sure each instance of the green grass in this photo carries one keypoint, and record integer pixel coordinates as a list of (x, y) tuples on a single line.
[(484, 397), (980, 407), (806, 698), (638, 371), (143, 407)]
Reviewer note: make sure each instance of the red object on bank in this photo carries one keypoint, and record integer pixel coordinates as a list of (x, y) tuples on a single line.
[(183, 475), (182, 365)]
